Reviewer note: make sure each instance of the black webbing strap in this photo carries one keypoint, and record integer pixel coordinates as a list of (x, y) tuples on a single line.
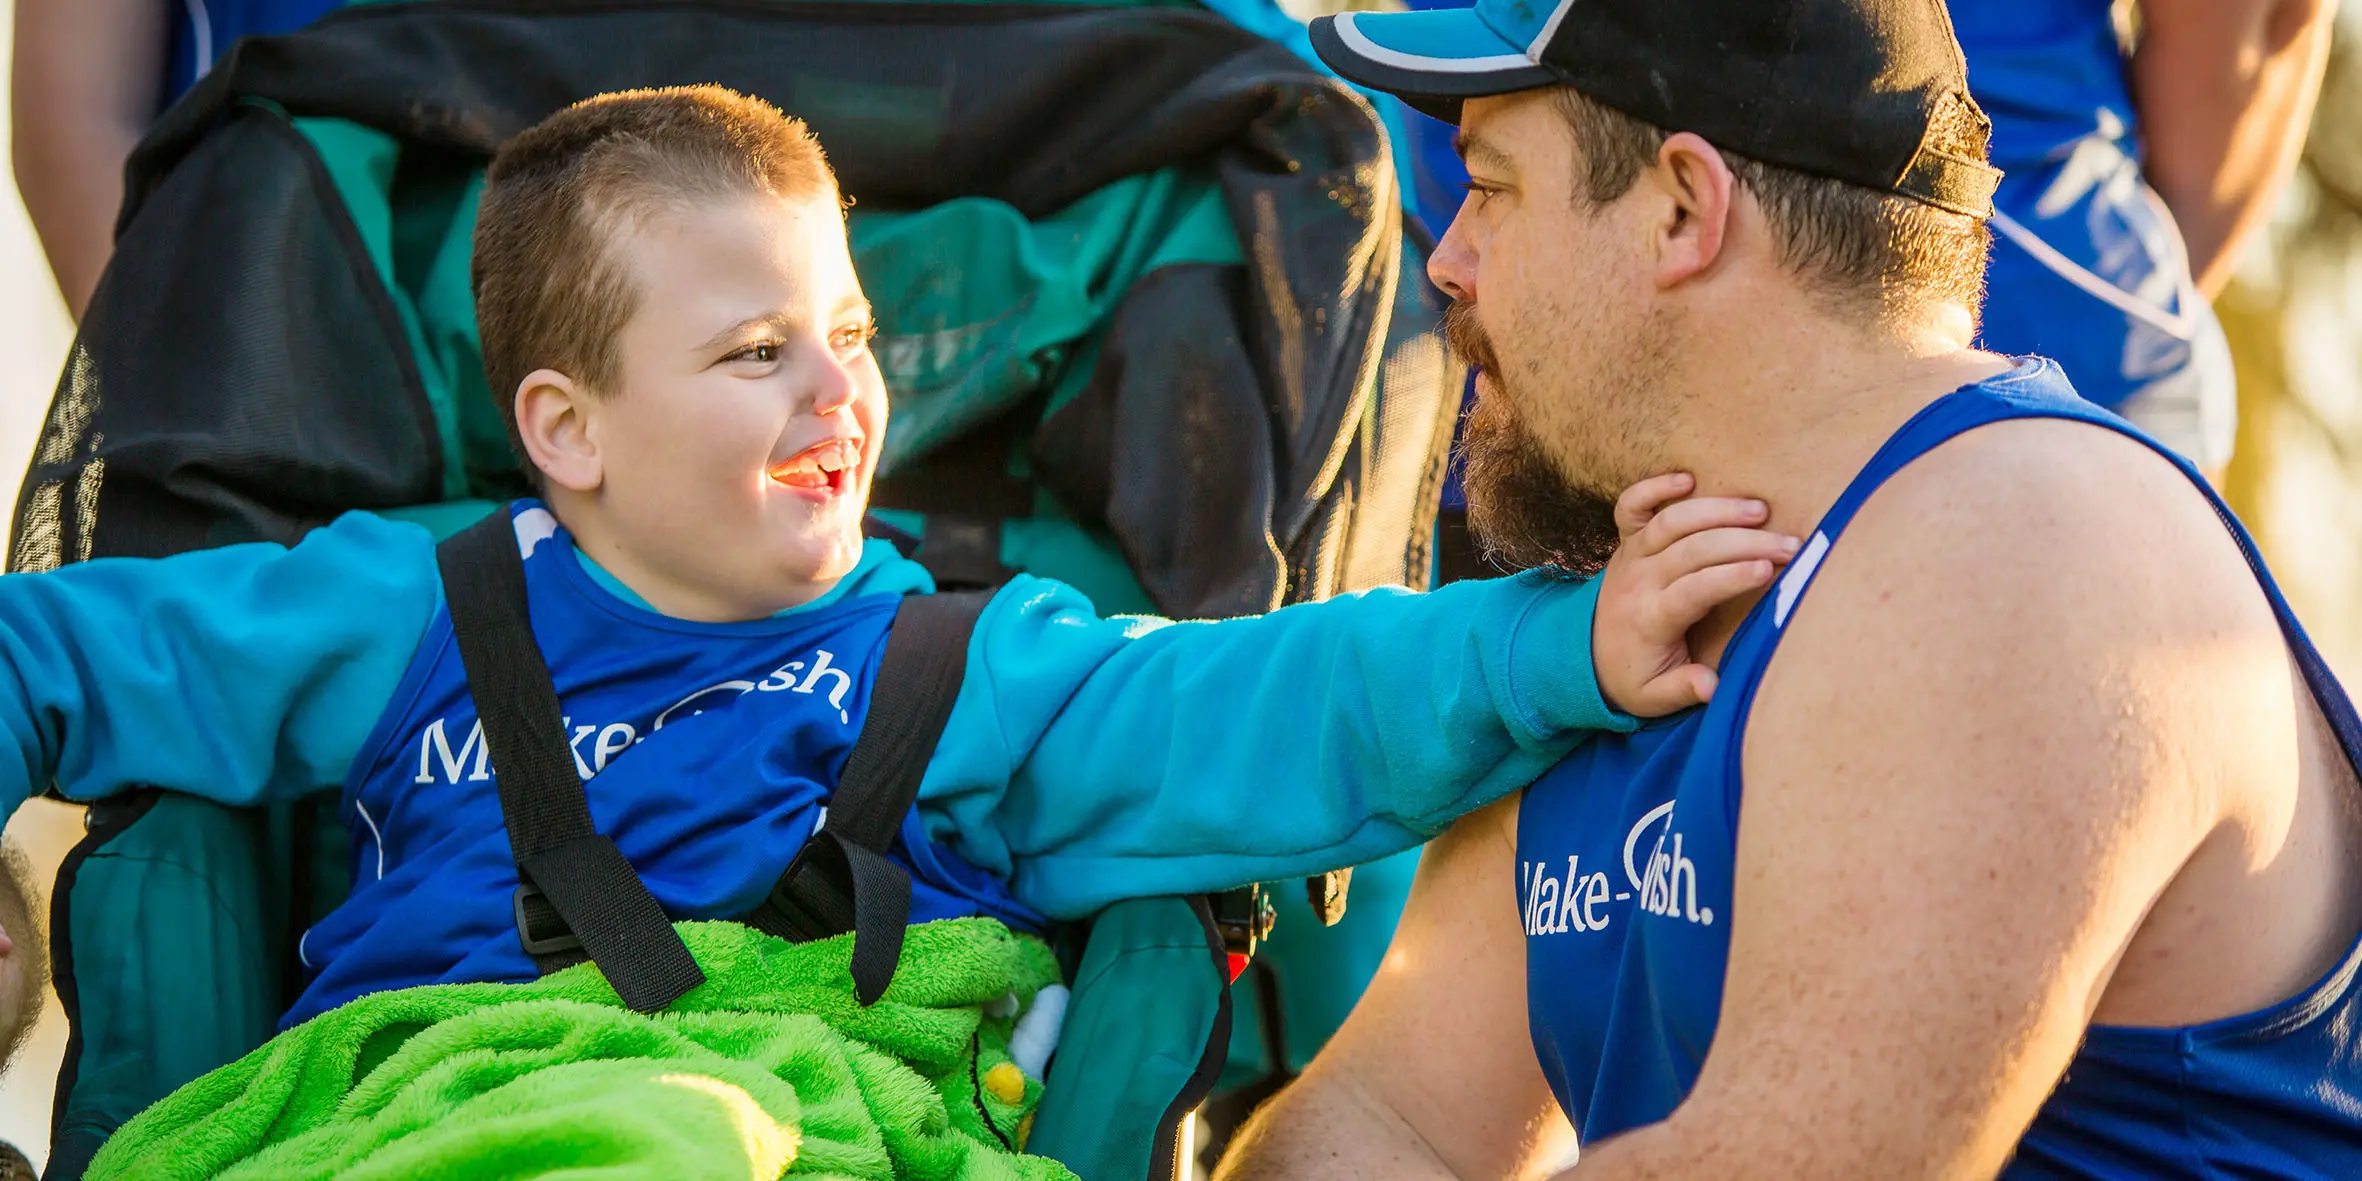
[(576, 896), (841, 880), (962, 553)]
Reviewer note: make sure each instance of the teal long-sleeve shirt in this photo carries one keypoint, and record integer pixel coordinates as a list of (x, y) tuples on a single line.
[(1086, 759)]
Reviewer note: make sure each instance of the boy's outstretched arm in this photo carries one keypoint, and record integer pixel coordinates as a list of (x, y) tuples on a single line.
[(238, 674), (1091, 760)]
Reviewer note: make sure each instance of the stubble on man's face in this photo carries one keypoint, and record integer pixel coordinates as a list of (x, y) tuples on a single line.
[(1573, 342), (1523, 510)]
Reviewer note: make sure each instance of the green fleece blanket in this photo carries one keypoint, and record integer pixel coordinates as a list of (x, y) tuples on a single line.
[(768, 1069)]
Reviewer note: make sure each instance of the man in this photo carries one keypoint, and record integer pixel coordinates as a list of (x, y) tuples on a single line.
[(2133, 185), (2051, 860)]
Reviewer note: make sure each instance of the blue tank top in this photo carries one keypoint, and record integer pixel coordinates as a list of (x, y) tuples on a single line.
[(709, 752), (1624, 878)]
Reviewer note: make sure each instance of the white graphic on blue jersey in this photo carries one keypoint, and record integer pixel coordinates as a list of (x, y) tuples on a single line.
[(534, 526), (1670, 887), (1555, 905), (1580, 899), (376, 838), (1799, 572), (439, 763)]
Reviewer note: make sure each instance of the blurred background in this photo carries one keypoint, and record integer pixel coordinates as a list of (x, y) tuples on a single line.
[(2293, 314)]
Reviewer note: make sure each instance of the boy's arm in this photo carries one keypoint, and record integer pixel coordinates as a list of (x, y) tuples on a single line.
[(1142, 757), (1089, 760), (238, 674)]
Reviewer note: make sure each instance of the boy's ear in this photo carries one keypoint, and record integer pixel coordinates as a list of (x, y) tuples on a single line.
[(553, 420)]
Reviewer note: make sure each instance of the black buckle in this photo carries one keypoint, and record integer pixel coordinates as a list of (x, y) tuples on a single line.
[(1245, 917), (807, 903), (554, 937)]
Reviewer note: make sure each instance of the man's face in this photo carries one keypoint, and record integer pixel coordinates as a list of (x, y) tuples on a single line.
[(1553, 304), (741, 440)]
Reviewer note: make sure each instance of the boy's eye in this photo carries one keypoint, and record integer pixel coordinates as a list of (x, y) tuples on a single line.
[(762, 354), (854, 336)]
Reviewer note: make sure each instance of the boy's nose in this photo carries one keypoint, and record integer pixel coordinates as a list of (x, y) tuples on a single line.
[(834, 386)]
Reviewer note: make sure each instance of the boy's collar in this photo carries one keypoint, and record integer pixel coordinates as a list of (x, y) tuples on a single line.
[(873, 553)]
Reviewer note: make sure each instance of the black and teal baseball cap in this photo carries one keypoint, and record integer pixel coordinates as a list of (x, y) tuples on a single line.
[(1874, 92)]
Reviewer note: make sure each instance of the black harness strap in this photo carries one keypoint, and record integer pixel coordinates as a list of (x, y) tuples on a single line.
[(841, 880), (577, 897)]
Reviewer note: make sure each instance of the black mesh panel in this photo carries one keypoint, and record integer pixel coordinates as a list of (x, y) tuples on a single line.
[(239, 376)]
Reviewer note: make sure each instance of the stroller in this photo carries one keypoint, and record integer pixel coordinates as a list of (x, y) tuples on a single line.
[(1159, 257)]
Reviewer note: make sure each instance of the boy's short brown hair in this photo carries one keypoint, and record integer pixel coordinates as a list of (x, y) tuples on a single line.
[(550, 290)]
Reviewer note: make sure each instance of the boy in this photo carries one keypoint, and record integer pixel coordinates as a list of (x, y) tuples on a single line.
[(664, 289)]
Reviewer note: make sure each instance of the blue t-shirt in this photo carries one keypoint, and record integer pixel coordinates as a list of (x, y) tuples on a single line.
[(736, 734), (1625, 854)]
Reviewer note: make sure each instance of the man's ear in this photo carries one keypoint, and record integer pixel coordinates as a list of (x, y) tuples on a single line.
[(553, 421), (1700, 187)]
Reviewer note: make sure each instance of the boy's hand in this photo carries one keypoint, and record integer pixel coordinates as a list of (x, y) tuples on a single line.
[(1679, 559)]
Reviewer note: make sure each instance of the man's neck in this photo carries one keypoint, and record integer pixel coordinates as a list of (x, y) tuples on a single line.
[(1800, 414)]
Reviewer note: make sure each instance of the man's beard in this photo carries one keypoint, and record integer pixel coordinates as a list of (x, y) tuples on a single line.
[(1522, 510)]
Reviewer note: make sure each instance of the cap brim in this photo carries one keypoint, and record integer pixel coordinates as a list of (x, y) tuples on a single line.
[(1430, 60)]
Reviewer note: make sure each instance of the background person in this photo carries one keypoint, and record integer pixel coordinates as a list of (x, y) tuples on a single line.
[(2131, 185), (87, 79)]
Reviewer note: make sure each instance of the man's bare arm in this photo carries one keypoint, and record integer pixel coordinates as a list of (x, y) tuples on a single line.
[(2225, 89), (1433, 1076), (1989, 742), (83, 88)]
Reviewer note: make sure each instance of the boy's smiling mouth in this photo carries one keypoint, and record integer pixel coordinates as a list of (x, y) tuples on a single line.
[(822, 471)]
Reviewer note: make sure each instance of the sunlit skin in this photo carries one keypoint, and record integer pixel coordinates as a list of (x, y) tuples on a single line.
[(725, 476)]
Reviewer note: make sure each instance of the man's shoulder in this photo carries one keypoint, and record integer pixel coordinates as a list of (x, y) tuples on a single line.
[(2039, 567), (2043, 511)]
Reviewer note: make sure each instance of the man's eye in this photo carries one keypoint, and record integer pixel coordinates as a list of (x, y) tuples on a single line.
[(1479, 191)]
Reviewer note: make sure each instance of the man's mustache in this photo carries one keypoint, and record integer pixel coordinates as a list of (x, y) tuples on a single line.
[(1465, 335)]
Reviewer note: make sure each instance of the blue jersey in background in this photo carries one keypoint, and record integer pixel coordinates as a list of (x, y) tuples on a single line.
[(2088, 268), (202, 31)]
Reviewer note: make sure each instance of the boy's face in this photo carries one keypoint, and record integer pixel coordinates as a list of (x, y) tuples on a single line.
[(737, 452)]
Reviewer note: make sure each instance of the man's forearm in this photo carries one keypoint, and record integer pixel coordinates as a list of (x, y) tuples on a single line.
[(2225, 89)]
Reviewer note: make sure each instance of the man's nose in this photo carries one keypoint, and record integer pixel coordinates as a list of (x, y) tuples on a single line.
[(1452, 267)]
